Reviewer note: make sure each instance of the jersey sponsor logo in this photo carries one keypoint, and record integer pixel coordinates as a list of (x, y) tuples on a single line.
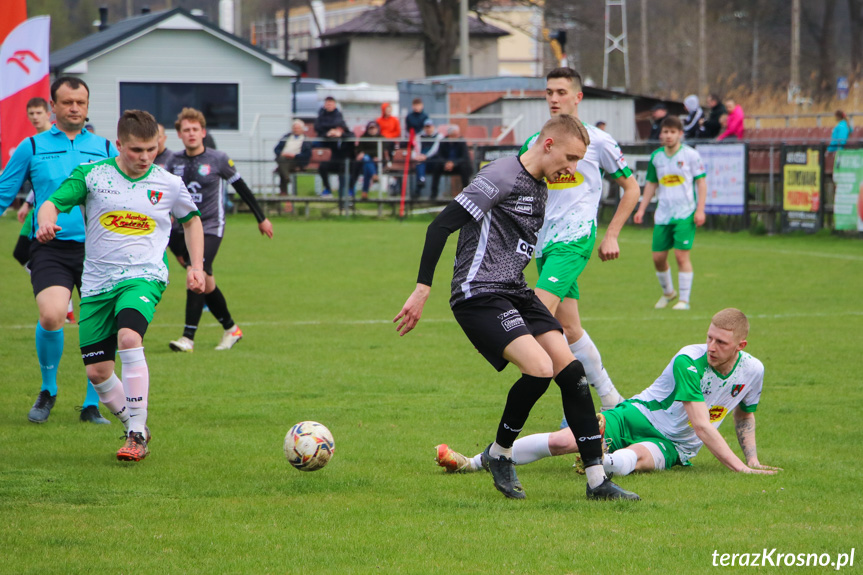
[(525, 249), (197, 196), (717, 413), (672, 180), (204, 169), (144, 299), (510, 323), (485, 186), (107, 191), (128, 223), (179, 170), (566, 181), (735, 391), (524, 208), (154, 196)]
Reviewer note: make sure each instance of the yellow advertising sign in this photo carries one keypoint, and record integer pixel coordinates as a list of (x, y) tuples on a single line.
[(802, 185)]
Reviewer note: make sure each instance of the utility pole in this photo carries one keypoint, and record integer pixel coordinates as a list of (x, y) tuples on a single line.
[(464, 44), (644, 76), (702, 56), (794, 86)]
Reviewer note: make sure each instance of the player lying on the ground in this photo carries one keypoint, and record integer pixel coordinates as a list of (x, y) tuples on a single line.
[(667, 423), (499, 214)]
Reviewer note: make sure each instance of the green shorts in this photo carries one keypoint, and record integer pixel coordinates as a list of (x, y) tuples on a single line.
[(99, 312), (625, 425), (559, 268), (679, 234)]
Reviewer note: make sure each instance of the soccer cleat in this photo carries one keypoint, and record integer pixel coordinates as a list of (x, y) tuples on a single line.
[(231, 337), (90, 414), (609, 490), (681, 305), (70, 317), (503, 472), (183, 344), (42, 408), (452, 461), (135, 448), (665, 300)]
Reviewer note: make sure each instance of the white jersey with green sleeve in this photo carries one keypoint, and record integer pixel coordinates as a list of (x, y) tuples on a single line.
[(573, 201), (675, 176), (689, 378), (127, 221)]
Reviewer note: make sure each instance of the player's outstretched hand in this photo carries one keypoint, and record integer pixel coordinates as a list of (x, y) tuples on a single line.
[(761, 470), (609, 249), (412, 310), (765, 467), (195, 280), (47, 232), (266, 228)]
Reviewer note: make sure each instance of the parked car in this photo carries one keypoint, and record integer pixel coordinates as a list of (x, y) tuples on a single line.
[(309, 98)]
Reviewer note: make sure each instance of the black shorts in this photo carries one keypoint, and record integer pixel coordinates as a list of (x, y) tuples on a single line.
[(493, 321), (177, 245), (57, 263)]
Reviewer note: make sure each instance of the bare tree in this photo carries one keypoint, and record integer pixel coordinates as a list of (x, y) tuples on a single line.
[(440, 34)]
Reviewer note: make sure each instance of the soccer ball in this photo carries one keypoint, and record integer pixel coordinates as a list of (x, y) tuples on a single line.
[(309, 445)]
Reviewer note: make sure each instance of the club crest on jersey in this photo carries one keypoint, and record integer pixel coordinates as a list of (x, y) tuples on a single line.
[(154, 196), (128, 223), (525, 249), (671, 180), (680, 163), (204, 169), (735, 391)]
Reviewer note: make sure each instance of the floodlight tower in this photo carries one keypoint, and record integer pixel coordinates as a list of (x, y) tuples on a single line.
[(615, 42)]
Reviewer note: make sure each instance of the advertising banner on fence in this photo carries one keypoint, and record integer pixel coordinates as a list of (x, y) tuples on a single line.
[(801, 188), (725, 165), (848, 177)]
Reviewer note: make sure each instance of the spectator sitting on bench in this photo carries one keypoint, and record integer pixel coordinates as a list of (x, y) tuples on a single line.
[(293, 153), (452, 158), (366, 159), (429, 143), (390, 128)]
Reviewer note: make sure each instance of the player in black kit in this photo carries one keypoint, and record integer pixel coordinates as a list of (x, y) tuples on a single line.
[(204, 171), (500, 214)]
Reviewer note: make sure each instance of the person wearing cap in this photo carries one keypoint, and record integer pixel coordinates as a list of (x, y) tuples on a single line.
[(428, 144), (601, 125), (693, 125), (658, 114)]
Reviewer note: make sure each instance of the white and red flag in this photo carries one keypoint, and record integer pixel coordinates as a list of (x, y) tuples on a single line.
[(23, 75)]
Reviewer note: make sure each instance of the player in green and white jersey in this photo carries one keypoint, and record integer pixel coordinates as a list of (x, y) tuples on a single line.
[(568, 235), (667, 423), (128, 204), (674, 173)]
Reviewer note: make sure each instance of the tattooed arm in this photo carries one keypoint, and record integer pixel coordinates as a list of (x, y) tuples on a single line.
[(744, 425)]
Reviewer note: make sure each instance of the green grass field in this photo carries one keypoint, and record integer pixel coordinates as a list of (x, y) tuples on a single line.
[(217, 496)]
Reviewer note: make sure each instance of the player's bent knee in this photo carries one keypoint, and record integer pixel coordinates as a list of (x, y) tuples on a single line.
[(650, 457), (562, 442), (100, 372)]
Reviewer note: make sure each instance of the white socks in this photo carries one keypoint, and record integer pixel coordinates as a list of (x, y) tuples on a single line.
[(496, 451), (112, 396), (684, 280), (530, 448), (595, 475), (136, 380), (586, 352), (621, 462), (665, 281)]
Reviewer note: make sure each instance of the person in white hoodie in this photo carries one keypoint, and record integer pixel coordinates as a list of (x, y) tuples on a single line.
[(693, 124)]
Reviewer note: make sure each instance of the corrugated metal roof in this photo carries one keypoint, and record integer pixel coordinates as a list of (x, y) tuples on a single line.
[(400, 18)]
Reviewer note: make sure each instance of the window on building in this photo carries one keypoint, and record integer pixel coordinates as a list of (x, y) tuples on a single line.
[(220, 103)]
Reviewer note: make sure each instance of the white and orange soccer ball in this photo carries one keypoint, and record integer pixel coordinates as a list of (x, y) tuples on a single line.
[(309, 445)]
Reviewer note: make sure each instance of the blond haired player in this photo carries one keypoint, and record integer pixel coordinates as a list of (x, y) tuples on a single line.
[(674, 173), (128, 203), (667, 423)]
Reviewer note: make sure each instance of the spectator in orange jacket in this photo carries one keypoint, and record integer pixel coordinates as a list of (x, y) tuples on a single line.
[(390, 128)]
